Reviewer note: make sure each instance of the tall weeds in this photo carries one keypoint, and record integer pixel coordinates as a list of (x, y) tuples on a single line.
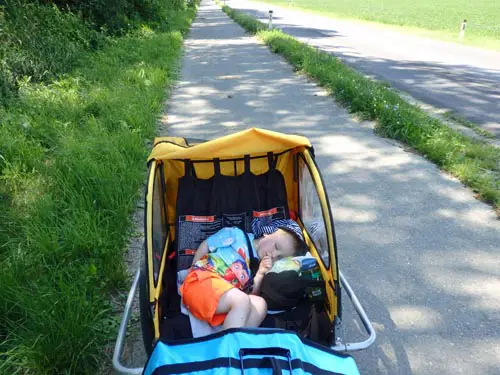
[(72, 149)]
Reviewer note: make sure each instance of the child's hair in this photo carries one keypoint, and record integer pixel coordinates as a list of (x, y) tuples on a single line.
[(299, 247)]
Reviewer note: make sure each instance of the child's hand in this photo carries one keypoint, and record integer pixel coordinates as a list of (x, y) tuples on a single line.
[(265, 265)]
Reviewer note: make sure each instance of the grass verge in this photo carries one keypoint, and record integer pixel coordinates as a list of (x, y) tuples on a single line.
[(476, 164), (72, 158), (457, 118)]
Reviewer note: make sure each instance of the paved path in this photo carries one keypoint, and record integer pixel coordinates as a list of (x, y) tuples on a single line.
[(420, 251), (444, 75)]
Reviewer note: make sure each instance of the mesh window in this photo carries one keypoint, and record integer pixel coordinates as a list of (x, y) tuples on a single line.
[(311, 212), (159, 223)]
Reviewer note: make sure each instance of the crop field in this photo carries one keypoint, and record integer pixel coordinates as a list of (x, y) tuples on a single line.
[(440, 18)]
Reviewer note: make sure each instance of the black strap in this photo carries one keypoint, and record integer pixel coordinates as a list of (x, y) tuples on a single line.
[(276, 366), (269, 354), (271, 161), (189, 168), (217, 167), (228, 362), (313, 283), (276, 187), (254, 263), (185, 202), (218, 197), (247, 165), (251, 199)]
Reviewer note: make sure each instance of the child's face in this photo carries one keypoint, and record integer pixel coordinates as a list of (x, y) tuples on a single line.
[(277, 245)]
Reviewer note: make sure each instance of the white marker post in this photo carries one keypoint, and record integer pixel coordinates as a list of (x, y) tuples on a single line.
[(462, 29), (270, 26)]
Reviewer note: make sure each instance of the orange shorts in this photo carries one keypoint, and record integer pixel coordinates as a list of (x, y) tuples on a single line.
[(201, 292)]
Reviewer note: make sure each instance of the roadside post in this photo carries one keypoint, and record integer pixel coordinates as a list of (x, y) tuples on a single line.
[(270, 26), (462, 29)]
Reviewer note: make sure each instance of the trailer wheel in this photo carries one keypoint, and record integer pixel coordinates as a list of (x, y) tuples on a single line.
[(147, 325)]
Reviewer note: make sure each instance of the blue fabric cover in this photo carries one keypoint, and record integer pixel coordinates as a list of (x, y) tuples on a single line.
[(227, 344)]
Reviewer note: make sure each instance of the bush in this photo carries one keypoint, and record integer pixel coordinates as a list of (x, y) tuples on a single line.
[(39, 42), (7, 86), (119, 16), (72, 154)]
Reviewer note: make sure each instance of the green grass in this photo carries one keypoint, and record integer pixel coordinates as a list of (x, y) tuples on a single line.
[(27, 54), (438, 18), (476, 164), (72, 158), (457, 118)]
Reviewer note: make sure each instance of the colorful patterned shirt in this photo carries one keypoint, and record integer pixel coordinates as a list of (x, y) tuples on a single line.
[(228, 256)]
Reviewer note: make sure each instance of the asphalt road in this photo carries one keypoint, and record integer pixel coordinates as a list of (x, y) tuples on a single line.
[(420, 252), (445, 75)]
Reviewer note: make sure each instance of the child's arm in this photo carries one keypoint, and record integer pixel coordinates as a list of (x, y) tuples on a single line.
[(201, 252), (265, 265)]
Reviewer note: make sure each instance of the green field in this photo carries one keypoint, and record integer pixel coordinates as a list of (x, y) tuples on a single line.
[(438, 18)]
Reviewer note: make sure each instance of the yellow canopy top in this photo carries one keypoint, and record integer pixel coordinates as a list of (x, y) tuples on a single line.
[(252, 141)]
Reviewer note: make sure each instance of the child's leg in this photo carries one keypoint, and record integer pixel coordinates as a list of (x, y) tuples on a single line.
[(258, 311), (242, 310), (237, 305)]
